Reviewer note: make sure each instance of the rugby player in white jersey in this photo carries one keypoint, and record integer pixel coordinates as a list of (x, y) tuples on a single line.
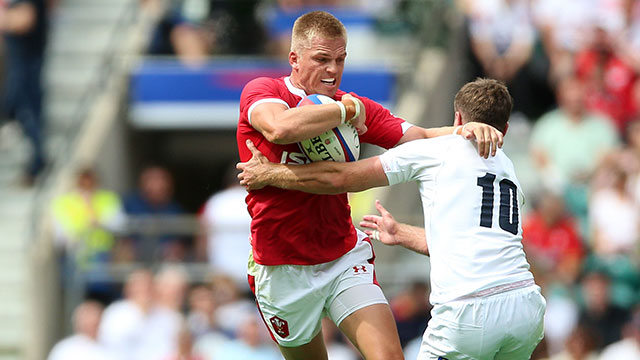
[(486, 304)]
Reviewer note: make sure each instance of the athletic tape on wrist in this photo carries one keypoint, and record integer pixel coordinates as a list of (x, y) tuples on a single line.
[(343, 112), (356, 102)]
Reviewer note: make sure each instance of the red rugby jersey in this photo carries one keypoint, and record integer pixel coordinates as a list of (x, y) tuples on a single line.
[(293, 227)]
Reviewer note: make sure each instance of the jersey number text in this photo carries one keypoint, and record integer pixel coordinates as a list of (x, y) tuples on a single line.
[(509, 217)]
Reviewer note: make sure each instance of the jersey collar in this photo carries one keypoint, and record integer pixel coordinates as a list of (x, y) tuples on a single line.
[(292, 89)]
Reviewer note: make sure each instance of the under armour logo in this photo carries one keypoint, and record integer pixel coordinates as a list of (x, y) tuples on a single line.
[(280, 326), (357, 269)]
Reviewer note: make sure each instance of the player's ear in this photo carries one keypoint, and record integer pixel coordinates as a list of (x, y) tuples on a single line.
[(293, 60), (457, 118), (506, 127)]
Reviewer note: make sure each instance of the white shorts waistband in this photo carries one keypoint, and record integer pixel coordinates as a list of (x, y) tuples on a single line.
[(499, 289)]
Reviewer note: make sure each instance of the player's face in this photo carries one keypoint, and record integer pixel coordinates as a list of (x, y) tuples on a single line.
[(318, 69)]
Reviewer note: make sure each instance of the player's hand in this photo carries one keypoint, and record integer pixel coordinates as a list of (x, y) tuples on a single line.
[(358, 122), (253, 175), (382, 228), (489, 139)]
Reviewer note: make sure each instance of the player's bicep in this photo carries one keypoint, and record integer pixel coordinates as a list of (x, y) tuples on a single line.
[(413, 133), (262, 115)]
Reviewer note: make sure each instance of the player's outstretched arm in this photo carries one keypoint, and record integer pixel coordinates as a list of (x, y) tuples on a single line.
[(324, 177), (388, 231), (489, 139)]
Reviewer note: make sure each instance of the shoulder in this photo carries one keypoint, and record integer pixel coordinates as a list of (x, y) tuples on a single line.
[(264, 81), (262, 85), (263, 88), (435, 146), (421, 151)]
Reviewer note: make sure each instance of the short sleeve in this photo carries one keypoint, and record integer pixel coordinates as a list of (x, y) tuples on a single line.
[(257, 91), (412, 161)]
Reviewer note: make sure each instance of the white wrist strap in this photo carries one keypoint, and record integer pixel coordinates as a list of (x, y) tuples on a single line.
[(356, 102), (343, 112)]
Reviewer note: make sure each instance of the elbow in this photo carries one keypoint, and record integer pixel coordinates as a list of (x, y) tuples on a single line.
[(338, 184), (279, 136)]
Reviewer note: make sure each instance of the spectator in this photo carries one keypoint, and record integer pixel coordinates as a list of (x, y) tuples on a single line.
[(614, 235), (196, 29), (561, 317), (615, 239), (165, 319), (124, 322), (599, 314), (154, 198), (629, 346), (227, 227), (552, 240), (627, 41), (85, 221), (629, 157), (502, 39), (200, 318), (567, 144), (608, 79), (83, 344), (202, 321), (251, 341), (231, 303), (184, 350), (411, 311), (24, 24), (582, 344), (564, 27)]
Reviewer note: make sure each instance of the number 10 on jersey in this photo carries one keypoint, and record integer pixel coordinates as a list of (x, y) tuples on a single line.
[(508, 204)]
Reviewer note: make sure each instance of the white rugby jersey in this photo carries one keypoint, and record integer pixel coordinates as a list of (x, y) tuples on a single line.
[(471, 211)]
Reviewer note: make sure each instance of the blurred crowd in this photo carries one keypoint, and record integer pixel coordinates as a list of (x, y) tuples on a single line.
[(572, 68)]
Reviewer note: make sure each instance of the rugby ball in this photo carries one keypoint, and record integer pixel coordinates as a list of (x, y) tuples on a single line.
[(338, 144)]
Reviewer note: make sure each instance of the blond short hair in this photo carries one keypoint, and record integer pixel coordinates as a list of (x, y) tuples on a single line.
[(312, 24)]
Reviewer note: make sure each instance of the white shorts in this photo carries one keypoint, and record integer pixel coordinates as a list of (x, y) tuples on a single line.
[(507, 325), (293, 299)]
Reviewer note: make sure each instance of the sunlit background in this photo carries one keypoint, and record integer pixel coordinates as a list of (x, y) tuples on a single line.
[(117, 179)]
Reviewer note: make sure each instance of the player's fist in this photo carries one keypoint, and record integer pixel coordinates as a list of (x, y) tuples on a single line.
[(356, 112)]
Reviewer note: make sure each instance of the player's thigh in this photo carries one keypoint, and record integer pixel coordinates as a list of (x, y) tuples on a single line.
[(288, 302), (456, 331), (314, 350), (371, 326)]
